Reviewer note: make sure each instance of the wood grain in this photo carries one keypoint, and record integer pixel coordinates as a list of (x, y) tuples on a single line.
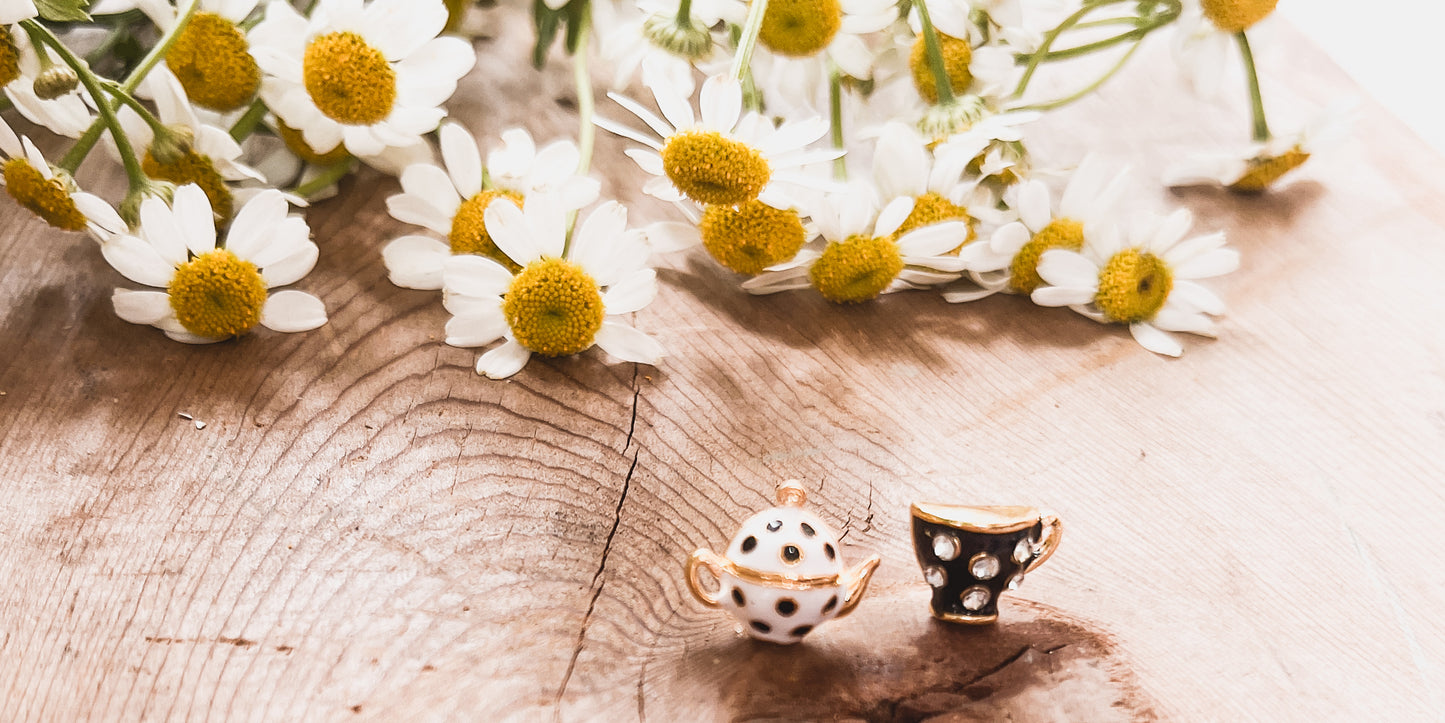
[(367, 529)]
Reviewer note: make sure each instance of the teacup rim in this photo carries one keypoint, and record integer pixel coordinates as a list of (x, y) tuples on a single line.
[(991, 519)]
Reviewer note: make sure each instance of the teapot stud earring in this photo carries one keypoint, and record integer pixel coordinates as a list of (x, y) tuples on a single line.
[(782, 576)]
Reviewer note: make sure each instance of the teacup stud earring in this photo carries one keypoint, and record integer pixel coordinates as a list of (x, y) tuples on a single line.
[(971, 555), (782, 575)]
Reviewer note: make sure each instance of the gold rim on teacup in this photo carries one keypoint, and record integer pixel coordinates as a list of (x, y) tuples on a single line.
[(972, 554)]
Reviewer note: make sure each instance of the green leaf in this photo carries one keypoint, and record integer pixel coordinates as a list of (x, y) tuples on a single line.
[(63, 11)]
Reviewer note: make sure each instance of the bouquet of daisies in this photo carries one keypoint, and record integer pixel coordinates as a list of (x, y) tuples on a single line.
[(849, 147)]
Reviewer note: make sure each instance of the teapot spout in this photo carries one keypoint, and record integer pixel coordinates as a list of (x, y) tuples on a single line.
[(855, 582)]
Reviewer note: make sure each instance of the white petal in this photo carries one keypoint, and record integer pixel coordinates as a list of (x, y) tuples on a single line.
[(594, 245), (933, 240), (431, 184), (900, 162), (254, 223), (510, 231), (648, 161), (1033, 204), (1196, 296), (158, 222), (669, 236), (141, 307), (415, 262), (1062, 295), (1154, 340), (504, 361), (292, 311), (293, 267), (138, 261), (893, 215), (1009, 239), (411, 209), (1171, 231), (480, 328), (194, 218), (628, 344), (9, 142), (1190, 323), (676, 108), (1062, 267), (721, 102), (616, 128), (475, 276), (633, 292)]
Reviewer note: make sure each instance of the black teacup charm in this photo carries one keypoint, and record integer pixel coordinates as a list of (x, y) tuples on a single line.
[(970, 555)]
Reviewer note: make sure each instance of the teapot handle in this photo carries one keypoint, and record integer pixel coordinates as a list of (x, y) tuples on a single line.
[(1053, 533), (715, 564)]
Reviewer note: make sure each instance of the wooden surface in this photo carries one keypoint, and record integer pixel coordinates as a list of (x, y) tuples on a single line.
[(366, 529)]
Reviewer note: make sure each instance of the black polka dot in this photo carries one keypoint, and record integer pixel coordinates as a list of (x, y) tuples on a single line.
[(749, 543), (808, 530), (787, 606), (791, 554), (775, 525), (832, 603), (738, 597), (828, 550), (761, 626), (801, 630)]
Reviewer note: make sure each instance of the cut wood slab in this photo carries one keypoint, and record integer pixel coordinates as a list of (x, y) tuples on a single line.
[(367, 529)]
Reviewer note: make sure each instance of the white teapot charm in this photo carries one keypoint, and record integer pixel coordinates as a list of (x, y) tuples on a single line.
[(782, 576)]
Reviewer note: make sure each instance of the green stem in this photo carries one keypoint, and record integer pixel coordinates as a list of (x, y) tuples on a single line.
[(133, 171), (83, 145), (1047, 44), (743, 59), (931, 45), (684, 14), (1087, 89), (246, 124), (586, 99), (126, 99), (1256, 100), (1143, 25), (331, 174), (835, 118)]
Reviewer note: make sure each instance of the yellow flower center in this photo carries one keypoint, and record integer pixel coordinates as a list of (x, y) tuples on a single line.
[(553, 307), (1062, 233), (1262, 172), (193, 167), (9, 57), (800, 28), (751, 237), (348, 79), (1234, 16), (856, 269), (296, 143), (46, 198), (217, 294), (709, 168), (1133, 286), (213, 62), (931, 208), (956, 56), (469, 228)]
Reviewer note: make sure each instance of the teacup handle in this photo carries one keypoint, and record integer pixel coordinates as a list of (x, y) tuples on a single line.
[(715, 564), (1053, 533)]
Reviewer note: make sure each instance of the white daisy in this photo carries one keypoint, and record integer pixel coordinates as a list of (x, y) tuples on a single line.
[(1150, 284), (1261, 165), (209, 160), (20, 65), (864, 255), (559, 304), (49, 192), (725, 157), (368, 77), (213, 293), (1205, 42), (667, 39), (931, 183), (747, 238), (453, 202), (1009, 261), (801, 41), (212, 56)]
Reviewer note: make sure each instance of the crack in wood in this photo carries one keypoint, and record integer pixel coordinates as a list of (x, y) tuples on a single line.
[(599, 581)]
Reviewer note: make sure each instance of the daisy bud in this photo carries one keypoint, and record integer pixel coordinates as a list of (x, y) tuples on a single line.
[(130, 206), (942, 121), (173, 144), (683, 40), (55, 81)]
